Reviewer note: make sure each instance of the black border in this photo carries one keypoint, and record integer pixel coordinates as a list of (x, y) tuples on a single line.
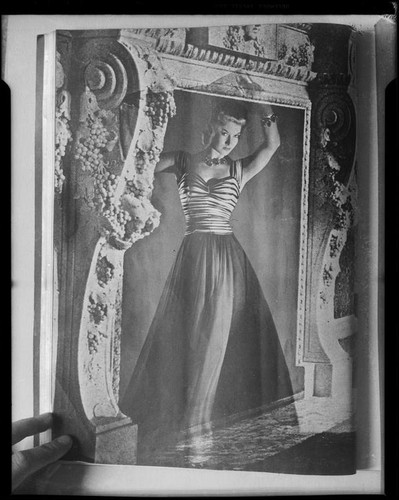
[(223, 7), (376, 7)]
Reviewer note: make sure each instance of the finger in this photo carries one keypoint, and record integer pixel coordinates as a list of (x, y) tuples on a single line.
[(29, 426), (27, 462)]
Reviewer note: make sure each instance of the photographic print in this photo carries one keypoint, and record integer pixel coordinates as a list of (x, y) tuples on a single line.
[(203, 183)]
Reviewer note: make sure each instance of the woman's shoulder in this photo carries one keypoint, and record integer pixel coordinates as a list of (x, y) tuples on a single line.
[(174, 157), (170, 161), (182, 157), (181, 160)]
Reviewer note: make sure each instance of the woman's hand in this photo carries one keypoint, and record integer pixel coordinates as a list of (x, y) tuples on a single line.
[(266, 109), (27, 462)]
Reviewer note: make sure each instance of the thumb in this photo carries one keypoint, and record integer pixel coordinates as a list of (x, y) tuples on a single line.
[(27, 462)]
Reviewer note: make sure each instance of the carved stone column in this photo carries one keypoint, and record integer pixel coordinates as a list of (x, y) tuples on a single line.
[(121, 100), (327, 356), (329, 327)]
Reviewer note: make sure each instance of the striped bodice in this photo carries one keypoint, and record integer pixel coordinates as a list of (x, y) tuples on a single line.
[(207, 205)]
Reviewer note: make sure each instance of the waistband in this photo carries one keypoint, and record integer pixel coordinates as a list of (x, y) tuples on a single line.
[(210, 231)]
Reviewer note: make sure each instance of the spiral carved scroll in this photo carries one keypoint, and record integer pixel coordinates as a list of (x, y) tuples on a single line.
[(108, 72), (335, 111)]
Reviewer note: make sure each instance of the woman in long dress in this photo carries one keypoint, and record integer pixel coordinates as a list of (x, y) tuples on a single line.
[(212, 350)]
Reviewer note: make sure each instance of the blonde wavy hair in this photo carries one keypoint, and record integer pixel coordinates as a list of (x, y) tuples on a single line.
[(223, 112)]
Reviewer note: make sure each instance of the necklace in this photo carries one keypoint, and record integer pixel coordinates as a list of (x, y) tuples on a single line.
[(210, 162)]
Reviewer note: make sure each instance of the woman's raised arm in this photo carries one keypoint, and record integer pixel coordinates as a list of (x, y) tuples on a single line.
[(256, 162), (166, 161)]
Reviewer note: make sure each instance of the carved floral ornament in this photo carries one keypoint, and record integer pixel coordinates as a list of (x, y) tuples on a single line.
[(333, 124), (117, 188), (244, 39), (124, 108), (343, 199), (245, 50), (301, 55), (63, 134), (276, 68), (335, 118)]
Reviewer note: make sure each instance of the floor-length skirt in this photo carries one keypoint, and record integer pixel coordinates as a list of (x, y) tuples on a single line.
[(212, 350)]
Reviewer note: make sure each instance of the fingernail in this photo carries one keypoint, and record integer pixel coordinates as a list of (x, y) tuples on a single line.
[(64, 440)]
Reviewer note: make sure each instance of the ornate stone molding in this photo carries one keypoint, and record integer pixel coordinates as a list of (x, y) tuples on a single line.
[(335, 333), (294, 46), (117, 191), (122, 99), (303, 266), (63, 133), (332, 214), (259, 40), (301, 56), (174, 38), (226, 57), (243, 84), (305, 27), (275, 68)]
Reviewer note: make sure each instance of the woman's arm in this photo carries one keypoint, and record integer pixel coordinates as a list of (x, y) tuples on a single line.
[(256, 162), (166, 161)]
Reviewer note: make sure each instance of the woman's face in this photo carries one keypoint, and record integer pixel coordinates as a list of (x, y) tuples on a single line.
[(226, 137)]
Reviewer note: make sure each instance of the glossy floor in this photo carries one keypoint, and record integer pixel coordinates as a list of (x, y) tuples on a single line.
[(243, 444)]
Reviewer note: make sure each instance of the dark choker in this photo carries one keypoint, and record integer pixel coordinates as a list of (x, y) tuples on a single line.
[(211, 162)]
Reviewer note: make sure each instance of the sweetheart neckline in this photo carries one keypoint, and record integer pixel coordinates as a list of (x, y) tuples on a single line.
[(211, 179)]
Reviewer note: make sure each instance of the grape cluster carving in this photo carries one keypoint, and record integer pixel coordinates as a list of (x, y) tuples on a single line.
[(234, 38), (122, 204), (301, 56), (97, 310), (160, 106), (62, 137), (92, 342), (105, 271), (89, 149)]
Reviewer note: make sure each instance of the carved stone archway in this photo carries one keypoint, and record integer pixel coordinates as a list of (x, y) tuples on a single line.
[(114, 99), (121, 99)]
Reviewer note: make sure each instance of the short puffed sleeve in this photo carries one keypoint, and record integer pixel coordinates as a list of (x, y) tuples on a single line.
[(180, 166)]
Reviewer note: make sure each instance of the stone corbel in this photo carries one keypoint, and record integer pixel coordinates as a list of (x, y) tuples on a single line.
[(328, 365), (121, 111)]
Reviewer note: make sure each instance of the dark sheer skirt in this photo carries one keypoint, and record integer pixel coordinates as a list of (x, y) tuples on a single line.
[(212, 350)]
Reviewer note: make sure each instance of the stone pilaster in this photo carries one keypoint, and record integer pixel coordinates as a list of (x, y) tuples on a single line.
[(332, 209), (120, 101)]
